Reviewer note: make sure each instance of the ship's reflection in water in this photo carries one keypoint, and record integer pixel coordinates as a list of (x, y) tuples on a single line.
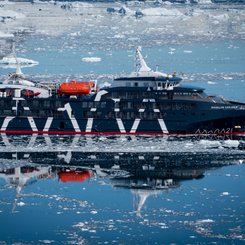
[(85, 195), (145, 174)]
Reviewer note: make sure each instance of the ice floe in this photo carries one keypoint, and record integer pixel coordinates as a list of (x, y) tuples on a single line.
[(91, 59), (21, 204), (225, 193), (11, 60), (211, 82), (6, 35)]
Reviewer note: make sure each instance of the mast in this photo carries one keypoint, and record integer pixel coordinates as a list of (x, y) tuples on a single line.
[(141, 65), (18, 68)]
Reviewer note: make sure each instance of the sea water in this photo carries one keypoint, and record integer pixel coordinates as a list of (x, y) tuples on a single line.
[(125, 190)]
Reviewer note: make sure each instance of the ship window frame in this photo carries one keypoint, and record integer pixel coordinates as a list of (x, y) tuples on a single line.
[(84, 104)]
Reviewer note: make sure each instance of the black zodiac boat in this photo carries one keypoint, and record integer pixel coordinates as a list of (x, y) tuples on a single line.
[(146, 102)]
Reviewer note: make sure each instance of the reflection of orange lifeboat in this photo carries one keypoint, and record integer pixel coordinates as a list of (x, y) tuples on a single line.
[(76, 88), (74, 176)]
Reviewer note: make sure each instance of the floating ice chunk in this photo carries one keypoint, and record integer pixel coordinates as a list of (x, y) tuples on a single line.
[(167, 3), (93, 212), (210, 144), (80, 224), (227, 78), (46, 241), (192, 237), (21, 204), (231, 143), (204, 1), (22, 61), (187, 51), (226, 193), (162, 12), (211, 83), (6, 35), (91, 59), (205, 221)]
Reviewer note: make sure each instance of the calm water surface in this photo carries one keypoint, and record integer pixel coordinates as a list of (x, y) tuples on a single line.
[(126, 190), (122, 190)]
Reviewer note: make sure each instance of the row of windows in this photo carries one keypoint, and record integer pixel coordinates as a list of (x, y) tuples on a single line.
[(42, 103), (146, 94), (123, 115), (31, 103), (93, 104), (35, 113), (40, 113), (176, 106), (148, 107), (154, 105), (150, 115)]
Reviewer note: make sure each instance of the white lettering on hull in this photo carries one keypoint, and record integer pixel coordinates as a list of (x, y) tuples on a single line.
[(120, 125), (99, 94), (6, 123), (75, 125), (68, 109), (48, 124), (135, 125), (89, 125), (163, 126), (32, 123)]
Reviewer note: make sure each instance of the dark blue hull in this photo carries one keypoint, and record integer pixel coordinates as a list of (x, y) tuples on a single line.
[(195, 122)]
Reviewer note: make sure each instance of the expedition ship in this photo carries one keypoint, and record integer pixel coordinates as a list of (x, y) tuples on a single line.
[(146, 102)]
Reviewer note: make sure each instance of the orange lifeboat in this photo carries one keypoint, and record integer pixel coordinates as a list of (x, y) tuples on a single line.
[(76, 88), (74, 176)]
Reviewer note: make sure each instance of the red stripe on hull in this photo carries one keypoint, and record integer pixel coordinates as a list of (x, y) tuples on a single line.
[(26, 132)]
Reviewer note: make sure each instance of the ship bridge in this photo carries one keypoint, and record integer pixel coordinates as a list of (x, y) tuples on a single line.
[(144, 76)]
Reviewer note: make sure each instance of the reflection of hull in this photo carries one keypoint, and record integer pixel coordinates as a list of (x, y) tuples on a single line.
[(149, 162)]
